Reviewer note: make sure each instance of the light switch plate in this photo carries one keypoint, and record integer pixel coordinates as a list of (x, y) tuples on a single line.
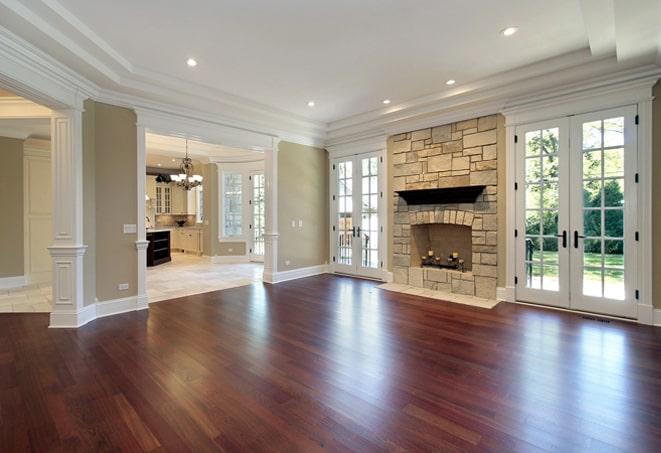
[(300, 224), (130, 228), (293, 223), (123, 286)]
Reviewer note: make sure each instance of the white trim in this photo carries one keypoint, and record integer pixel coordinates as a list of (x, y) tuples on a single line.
[(230, 259), (13, 282), (576, 312), (645, 204), (284, 276), (657, 317), (141, 243), (74, 319), (505, 294)]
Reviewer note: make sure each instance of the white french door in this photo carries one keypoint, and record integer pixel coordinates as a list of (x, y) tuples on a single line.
[(356, 206), (576, 212), (258, 216)]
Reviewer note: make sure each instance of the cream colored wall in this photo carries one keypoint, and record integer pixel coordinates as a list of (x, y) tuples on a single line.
[(230, 248), (89, 203), (302, 195), (656, 197), (11, 206), (115, 146), (210, 225)]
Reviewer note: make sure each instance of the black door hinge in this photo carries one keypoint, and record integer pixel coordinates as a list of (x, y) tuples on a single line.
[(516, 186), (382, 229), (381, 159), (333, 166), (516, 233), (516, 139), (333, 259), (636, 178), (249, 201), (333, 227), (250, 250), (516, 280), (381, 263), (637, 294), (381, 194), (333, 197), (637, 236), (250, 226), (637, 119)]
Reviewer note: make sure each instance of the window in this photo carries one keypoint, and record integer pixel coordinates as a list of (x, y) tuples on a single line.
[(199, 196), (258, 214), (232, 205)]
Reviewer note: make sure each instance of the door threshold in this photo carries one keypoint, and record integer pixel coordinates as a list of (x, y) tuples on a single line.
[(362, 277), (578, 312)]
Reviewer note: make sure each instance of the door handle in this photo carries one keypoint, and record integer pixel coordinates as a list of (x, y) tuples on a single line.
[(353, 232), (576, 237), (358, 232), (564, 238)]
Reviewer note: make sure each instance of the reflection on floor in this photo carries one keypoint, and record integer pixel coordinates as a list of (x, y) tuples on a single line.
[(190, 274), (27, 299)]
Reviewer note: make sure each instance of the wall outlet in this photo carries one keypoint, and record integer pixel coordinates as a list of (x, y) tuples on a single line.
[(293, 223), (300, 224), (230, 250), (123, 286), (287, 262), (130, 228)]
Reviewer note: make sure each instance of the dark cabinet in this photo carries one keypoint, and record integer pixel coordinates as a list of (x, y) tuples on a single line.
[(158, 251)]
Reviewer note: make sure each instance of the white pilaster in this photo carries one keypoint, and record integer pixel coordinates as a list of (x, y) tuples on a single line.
[(141, 243), (68, 249), (271, 231), (645, 203)]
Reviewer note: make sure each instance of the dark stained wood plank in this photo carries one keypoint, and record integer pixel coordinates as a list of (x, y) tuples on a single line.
[(329, 363)]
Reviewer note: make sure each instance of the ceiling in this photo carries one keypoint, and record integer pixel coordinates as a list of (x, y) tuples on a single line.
[(344, 55)]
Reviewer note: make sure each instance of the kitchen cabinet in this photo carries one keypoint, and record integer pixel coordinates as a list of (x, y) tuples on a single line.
[(163, 198), (188, 240), (178, 200), (158, 251), (150, 188)]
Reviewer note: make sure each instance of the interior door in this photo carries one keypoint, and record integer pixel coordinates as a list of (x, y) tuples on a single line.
[(603, 212), (257, 206), (542, 234), (576, 212), (357, 206)]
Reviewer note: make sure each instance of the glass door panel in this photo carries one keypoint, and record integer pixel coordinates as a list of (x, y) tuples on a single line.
[(258, 215), (369, 227), (602, 218), (345, 228)]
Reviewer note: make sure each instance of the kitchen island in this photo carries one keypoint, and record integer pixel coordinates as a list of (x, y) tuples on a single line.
[(158, 251)]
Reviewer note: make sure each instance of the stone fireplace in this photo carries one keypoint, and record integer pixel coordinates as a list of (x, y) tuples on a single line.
[(445, 181)]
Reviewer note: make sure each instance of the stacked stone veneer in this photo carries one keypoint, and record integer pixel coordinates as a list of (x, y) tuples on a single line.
[(452, 155)]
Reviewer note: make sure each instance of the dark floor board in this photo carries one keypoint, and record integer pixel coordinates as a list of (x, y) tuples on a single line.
[(329, 364)]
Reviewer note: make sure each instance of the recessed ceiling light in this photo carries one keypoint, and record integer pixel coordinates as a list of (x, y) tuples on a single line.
[(451, 82), (158, 165), (386, 101), (509, 31), (192, 62), (310, 103), (174, 160)]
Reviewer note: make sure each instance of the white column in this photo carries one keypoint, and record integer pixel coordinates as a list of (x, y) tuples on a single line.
[(271, 229), (67, 251), (141, 243), (645, 262), (509, 294)]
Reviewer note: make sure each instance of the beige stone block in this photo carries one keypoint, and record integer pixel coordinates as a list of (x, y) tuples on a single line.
[(413, 178), (446, 216), (481, 270), (415, 277), (460, 172), (414, 168), (461, 163), (435, 151), (485, 287), (454, 181), (470, 131), (488, 258), (444, 287), (457, 135), (400, 275), (468, 219), (422, 134), (467, 124), (430, 177), (398, 137), (401, 146), (475, 257), (478, 238), (418, 144), (486, 122), (460, 217), (401, 260), (477, 223), (399, 158), (437, 275), (492, 238), (480, 139), (489, 152), (490, 222), (442, 162), (485, 178), (486, 165), (441, 134), (455, 146), (453, 217), (401, 217), (472, 151), (463, 287), (399, 183), (476, 158), (412, 157)]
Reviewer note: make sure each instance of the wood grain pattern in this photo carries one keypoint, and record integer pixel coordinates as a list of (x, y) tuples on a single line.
[(329, 363)]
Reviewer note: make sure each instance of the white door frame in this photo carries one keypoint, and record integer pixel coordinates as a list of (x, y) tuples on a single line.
[(251, 206), (378, 147), (637, 93)]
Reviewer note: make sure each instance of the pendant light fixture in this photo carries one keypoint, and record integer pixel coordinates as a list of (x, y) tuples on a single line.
[(186, 178)]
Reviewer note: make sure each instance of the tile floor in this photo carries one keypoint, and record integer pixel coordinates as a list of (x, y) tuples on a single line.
[(26, 299), (185, 275), (189, 274)]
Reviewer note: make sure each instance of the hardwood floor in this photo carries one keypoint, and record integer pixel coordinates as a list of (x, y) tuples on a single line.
[(329, 363)]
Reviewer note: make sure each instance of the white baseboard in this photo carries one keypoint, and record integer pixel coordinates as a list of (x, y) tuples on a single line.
[(505, 294), (13, 282), (277, 277), (73, 319), (645, 314), (657, 317), (230, 259)]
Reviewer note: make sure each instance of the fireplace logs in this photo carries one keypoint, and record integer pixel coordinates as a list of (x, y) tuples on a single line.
[(453, 261)]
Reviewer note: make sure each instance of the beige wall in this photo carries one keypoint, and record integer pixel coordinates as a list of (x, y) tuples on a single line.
[(302, 195), (656, 196), (11, 206), (210, 225), (230, 248), (115, 153), (89, 203)]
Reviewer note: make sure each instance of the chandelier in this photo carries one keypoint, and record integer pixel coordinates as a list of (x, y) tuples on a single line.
[(186, 178)]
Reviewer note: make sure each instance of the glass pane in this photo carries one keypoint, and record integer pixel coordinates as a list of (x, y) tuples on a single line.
[(550, 199), (592, 281), (533, 143), (551, 280), (533, 200), (614, 193), (614, 254), (232, 204), (614, 284), (533, 249), (533, 169), (532, 222), (614, 132), (592, 164), (592, 222), (592, 135), (592, 252), (614, 162), (614, 223), (592, 194), (533, 276), (550, 138), (550, 222), (550, 167)]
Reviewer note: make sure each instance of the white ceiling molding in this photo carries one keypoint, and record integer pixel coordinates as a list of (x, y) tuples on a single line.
[(599, 20), (205, 152)]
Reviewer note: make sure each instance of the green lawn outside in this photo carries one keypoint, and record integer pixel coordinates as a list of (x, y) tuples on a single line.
[(591, 259)]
